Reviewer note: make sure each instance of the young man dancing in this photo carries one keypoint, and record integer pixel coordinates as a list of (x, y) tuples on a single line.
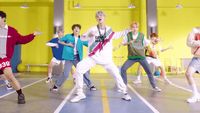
[(9, 37), (100, 52), (137, 43)]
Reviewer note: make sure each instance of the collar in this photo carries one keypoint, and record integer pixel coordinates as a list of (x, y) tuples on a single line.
[(5, 27)]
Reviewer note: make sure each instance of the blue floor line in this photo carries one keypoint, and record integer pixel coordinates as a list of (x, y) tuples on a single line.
[(117, 105)]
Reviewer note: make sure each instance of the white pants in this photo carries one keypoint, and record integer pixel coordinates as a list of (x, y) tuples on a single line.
[(87, 63)]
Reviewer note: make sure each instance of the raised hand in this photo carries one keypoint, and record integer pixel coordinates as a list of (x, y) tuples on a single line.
[(37, 33)]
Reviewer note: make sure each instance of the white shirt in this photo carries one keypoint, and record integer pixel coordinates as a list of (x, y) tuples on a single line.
[(103, 56), (75, 50)]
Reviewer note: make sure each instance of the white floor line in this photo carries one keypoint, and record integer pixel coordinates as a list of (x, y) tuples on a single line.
[(145, 101), (177, 86), (22, 87), (64, 101)]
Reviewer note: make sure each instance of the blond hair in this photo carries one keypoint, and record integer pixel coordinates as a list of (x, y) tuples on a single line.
[(99, 13), (134, 22)]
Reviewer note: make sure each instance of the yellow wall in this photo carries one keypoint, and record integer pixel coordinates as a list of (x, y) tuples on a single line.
[(40, 16), (37, 17), (117, 15), (174, 26)]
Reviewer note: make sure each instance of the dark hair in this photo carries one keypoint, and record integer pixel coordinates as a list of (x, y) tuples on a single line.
[(2, 14), (60, 30), (153, 35), (76, 25)]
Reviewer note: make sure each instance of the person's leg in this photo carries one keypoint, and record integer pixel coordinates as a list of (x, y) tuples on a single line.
[(50, 68), (73, 75), (124, 68), (81, 68), (163, 74), (64, 75), (86, 76), (15, 84), (8, 85), (146, 67), (114, 71), (139, 74), (189, 76)]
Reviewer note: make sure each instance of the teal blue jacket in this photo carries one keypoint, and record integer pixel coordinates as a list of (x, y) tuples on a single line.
[(68, 51)]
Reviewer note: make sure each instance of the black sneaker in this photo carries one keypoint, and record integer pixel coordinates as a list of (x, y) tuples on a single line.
[(54, 88), (93, 88), (21, 99)]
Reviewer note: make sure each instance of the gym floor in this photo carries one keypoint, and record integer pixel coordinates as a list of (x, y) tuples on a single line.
[(39, 99)]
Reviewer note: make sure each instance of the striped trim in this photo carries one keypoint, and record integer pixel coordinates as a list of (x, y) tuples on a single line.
[(99, 45)]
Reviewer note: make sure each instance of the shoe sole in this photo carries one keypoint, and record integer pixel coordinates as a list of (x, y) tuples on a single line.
[(198, 100), (126, 99)]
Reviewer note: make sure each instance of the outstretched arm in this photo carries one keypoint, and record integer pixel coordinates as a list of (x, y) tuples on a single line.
[(25, 39), (66, 44), (120, 34), (165, 49)]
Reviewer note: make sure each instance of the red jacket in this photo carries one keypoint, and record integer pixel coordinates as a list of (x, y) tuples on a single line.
[(15, 38)]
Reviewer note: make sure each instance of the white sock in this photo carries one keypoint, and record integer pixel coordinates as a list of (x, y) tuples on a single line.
[(139, 77), (194, 89), (49, 75)]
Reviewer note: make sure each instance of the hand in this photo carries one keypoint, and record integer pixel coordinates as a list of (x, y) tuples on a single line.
[(91, 34), (37, 33), (70, 44), (130, 42), (57, 46)]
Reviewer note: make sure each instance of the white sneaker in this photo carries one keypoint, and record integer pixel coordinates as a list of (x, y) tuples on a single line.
[(78, 97), (137, 82), (193, 99), (8, 86), (157, 89), (119, 90), (126, 97), (93, 88)]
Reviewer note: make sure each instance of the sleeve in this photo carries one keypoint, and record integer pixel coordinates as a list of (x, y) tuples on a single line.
[(191, 42), (64, 39), (23, 39), (85, 43), (52, 40), (125, 40), (120, 34), (146, 42), (85, 36), (51, 44)]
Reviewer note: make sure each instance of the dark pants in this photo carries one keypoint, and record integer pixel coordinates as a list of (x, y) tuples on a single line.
[(144, 64)]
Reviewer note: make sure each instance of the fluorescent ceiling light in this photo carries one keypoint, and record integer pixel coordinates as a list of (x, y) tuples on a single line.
[(179, 6), (24, 6), (77, 5), (131, 6)]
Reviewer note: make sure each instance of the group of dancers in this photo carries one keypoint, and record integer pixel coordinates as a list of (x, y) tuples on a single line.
[(68, 51)]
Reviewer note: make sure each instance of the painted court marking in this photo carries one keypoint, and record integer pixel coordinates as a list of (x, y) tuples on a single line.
[(145, 101), (177, 86), (22, 87), (64, 101), (106, 108)]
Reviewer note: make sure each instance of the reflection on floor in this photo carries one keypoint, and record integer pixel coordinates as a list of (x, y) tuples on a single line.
[(105, 100)]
